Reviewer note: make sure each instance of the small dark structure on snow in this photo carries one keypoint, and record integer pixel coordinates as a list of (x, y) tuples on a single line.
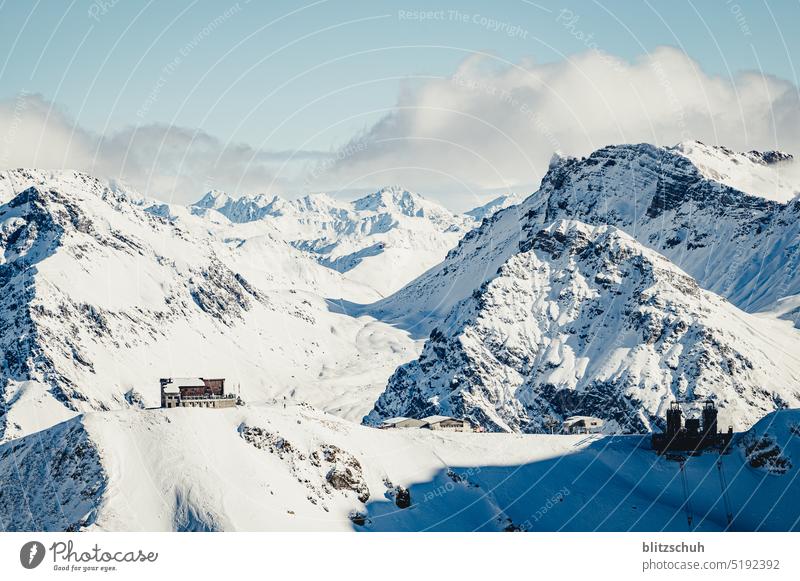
[(697, 434)]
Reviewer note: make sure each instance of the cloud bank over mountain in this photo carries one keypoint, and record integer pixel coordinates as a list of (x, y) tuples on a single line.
[(169, 162), (492, 125), (496, 124)]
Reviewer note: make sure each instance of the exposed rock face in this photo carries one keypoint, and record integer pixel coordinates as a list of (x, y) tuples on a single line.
[(584, 320), (765, 453), (328, 465), (69, 480), (402, 497), (345, 474)]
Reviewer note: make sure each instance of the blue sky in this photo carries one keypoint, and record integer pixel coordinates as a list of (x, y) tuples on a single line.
[(283, 76)]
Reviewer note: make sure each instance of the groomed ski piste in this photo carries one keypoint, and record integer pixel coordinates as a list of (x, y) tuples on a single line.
[(265, 468)]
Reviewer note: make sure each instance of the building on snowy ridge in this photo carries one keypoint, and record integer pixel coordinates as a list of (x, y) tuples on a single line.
[(445, 423), (195, 392), (582, 425), (401, 422)]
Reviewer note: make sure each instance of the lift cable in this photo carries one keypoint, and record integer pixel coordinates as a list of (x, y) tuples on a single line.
[(686, 495), (726, 499)]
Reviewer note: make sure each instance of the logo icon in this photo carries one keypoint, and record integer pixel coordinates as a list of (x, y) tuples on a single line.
[(31, 554)]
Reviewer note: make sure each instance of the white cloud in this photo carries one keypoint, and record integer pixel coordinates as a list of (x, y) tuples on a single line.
[(166, 162), (495, 125)]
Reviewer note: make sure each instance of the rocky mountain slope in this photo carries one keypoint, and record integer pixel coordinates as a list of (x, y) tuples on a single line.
[(740, 245), (268, 468), (361, 238), (584, 320), (99, 298)]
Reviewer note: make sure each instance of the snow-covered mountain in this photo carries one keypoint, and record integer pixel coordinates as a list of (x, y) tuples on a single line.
[(498, 354), (493, 206), (268, 468), (383, 240), (100, 296), (584, 320), (740, 245)]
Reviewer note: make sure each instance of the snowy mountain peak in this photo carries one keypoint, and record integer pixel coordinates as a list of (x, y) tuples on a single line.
[(557, 158), (67, 182), (317, 202), (214, 199), (493, 206), (770, 157), (766, 157), (395, 198), (738, 245), (242, 209)]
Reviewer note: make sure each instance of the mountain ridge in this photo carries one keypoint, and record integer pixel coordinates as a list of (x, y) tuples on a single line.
[(740, 246)]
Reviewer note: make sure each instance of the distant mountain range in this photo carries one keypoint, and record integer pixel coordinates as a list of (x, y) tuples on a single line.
[(391, 226)]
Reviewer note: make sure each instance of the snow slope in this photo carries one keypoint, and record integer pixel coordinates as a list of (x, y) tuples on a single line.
[(100, 298), (584, 320), (382, 240), (182, 469), (770, 174)]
